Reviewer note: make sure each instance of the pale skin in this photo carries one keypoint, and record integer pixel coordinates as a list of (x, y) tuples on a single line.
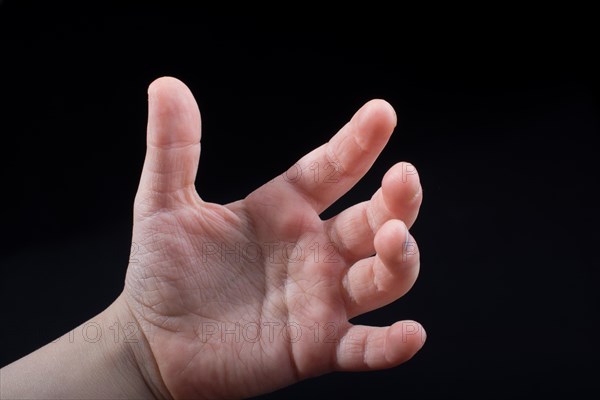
[(231, 301)]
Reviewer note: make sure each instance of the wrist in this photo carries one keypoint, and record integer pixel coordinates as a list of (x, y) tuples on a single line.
[(128, 347), (106, 357)]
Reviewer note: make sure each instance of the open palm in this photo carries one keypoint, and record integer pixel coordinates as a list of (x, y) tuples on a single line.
[(241, 299)]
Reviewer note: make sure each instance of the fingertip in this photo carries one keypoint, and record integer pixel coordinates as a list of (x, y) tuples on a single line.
[(173, 115), (401, 184), (384, 108), (377, 116), (405, 339), (165, 83), (390, 241)]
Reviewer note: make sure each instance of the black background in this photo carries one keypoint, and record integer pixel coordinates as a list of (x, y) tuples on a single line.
[(497, 108)]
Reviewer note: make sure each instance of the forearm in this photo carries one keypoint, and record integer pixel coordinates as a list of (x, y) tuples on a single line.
[(96, 360)]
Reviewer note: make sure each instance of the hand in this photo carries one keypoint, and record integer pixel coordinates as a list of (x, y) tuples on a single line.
[(245, 298)]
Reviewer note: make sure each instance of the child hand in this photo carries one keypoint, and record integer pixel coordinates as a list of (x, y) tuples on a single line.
[(241, 299)]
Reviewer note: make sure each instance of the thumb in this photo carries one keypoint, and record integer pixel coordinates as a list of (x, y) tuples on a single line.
[(173, 147)]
